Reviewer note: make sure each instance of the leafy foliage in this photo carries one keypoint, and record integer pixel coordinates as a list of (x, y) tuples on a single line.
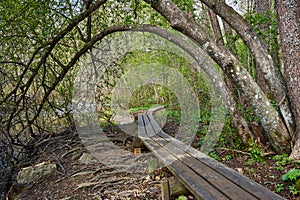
[(229, 137), (185, 5), (282, 159), (292, 175), (256, 20), (156, 94), (255, 153), (279, 187)]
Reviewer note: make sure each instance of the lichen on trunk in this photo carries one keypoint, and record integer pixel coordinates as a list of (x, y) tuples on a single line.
[(276, 130)]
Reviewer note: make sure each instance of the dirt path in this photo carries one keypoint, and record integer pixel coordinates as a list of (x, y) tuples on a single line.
[(95, 180), (91, 180)]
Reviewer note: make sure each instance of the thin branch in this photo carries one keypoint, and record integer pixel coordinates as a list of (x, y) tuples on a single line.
[(43, 60), (75, 58), (89, 22), (13, 62)]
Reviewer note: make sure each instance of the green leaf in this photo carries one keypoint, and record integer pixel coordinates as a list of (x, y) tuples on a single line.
[(291, 175)]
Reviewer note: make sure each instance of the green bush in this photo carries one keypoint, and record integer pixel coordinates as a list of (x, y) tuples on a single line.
[(292, 175)]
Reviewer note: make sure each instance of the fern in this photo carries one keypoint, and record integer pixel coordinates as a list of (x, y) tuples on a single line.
[(292, 175)]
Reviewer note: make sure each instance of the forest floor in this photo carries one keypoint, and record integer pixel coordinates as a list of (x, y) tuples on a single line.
[(95, 180)]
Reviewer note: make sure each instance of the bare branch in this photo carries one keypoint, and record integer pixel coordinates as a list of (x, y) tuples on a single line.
[(13, 62), (43, 59)]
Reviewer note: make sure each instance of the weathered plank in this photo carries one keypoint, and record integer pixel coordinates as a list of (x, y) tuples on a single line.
[(141, 127), (189, 178), (148, 126), (242, 181), (247, 184), (165, 191), (203, 176), (212, 177)]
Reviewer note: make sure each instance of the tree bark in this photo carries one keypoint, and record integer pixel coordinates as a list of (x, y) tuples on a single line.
[(237, 119), (216, 27), (264, 61), (289, 27), (262, 7), (276, 130)]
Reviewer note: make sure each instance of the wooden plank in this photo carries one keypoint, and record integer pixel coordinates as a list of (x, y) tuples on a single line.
[(189, 178), (193, 156), (165, 192), (193, 183), (214, 178), (137, 151), (155, 109), (200, 188), (155, 125), (244, 182), (247, 184), (148, 126), (141, 127)]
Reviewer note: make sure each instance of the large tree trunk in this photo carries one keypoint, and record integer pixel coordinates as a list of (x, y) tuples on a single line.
[(264, 62), (276, 130), (266, 8), (289, 27), (262, 7), (237, 118)]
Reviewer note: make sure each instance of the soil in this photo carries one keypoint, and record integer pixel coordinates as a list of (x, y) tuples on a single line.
[(73, 180)]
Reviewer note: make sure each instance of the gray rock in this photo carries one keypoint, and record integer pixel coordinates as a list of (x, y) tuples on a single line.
[(32, 173)]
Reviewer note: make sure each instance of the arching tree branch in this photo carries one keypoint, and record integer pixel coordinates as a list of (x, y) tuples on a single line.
[(264, 61), (274, 126)]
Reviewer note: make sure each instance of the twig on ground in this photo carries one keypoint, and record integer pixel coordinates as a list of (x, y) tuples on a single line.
[(238, 151)]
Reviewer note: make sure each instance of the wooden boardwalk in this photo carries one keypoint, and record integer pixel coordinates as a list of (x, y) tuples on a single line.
[(203, 176)]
